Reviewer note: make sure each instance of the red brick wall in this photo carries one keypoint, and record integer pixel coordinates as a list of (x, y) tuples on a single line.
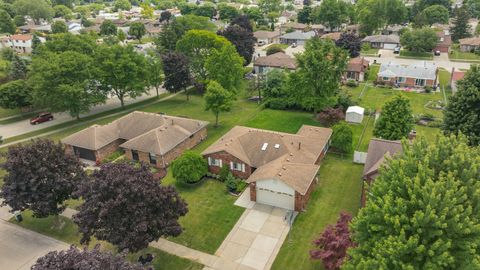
[(253, 191), (108, 149), (302, 200), (409, 82), (226, 159)]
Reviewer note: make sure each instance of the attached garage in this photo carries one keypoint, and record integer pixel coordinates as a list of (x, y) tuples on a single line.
[(84, 153), (275, 193), (390, 46)]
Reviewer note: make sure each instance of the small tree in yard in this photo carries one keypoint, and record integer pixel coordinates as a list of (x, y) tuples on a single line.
[(75, 259), (461, 27), (395, 121), (125, 206), (59, 27), (350, 42), (14, 95), (40, 177), (419, 40), (334, 243), (217, 99), (342, 137), (155, 68), (274, 48), (137, 30), (330, 116), (189, 168)]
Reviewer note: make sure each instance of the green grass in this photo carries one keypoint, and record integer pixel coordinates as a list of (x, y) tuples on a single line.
[(339, 190), (281, 46), (456, 54), (415, 55), (369, 52), (69, 234), (7, 112), (372, 73), (444, 78)]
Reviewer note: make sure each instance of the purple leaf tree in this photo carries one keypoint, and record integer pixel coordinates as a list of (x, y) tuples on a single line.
[(125, 206), (333, 244)]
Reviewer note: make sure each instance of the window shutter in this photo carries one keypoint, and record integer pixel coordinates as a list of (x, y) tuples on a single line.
[(220, 163), (231, 165), (209, 161), (243, 167)]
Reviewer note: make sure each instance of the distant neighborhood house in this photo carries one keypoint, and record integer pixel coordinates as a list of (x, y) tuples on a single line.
[(281, 168), (20, 43), (296, 37), (416, 75), (267, 37), (444, 41), (356, 69), (456, 76), (274, 61), (469, 44), (152, 138), (388, 42)]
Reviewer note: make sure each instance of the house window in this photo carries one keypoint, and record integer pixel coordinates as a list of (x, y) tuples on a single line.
[(237, 166), (419, 82), (386, 78), (214, 162), (351, 75), (401, 79), (134, 155), (153, 158)]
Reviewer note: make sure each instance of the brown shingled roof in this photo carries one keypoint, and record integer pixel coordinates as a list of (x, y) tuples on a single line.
[(287, 157), (473, 41), (378, 149), (276, 60), (357, 64), (147, 132)]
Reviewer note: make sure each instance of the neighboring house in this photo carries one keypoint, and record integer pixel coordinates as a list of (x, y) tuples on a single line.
[(152, 138), (356, 69), (469, 44), (21, 43), (332, 36), (318, 28), (456, 76), (393, 30), (295, 26), (444, 41), (354, 114), (74, 27), (267, 37), (30, 28), (416, 75), (274, 61), (281, 168), (286, 16), (378, 151), (388, 42), (296, 37)]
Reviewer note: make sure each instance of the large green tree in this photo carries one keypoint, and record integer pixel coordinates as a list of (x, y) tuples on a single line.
[(65, 81), (270, 5), (217, 99), (198, 45), (375, 14), (15, 95), (422, 210), (6, 23), (37, 10), (462, 113), (59, 27), (331, 13), (155, 71), (435, 14), (108, 28), (320, 68), (461, 27), (419, 40), (122, 72), (396, 119), (225, 66), (137, 29)]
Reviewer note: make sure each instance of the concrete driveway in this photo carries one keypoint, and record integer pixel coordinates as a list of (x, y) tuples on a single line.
[(20, 248), (256, 238), (22, 127)]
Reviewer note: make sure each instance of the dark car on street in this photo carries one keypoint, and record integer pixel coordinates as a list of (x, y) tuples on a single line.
[(40, 118)]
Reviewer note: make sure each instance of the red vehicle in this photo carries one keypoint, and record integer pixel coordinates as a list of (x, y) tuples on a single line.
[(43, 117)]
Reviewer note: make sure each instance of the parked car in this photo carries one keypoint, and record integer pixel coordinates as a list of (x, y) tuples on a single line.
[(294, 45), (40, 118), (396, 50), (437, 53), (261, 43)]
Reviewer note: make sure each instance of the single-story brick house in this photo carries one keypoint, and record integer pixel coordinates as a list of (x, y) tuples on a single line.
[(388, 42), (297, 37), (278, 60), (281, 168), (416, 75), (152, 138), (469, 44), (267, 37), (332, 36), (378, 151), (356, 69)]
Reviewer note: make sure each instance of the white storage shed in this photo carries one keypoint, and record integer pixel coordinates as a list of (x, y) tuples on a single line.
[(354, 114)]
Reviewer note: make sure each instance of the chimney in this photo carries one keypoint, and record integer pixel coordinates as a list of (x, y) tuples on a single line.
[(412, 135), (299, 145)]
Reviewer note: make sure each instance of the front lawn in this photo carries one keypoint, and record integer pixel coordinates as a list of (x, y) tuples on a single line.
[(415, 55), (456, 54), (369, 52), (372, 72), (281, 46), (339, 190), (69, 234)]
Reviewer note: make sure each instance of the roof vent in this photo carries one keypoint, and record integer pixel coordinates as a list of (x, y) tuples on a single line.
[(277, 146), (264, 146), (279, 174)]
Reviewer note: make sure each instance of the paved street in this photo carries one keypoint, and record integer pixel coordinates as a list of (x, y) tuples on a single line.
[(21, 127)]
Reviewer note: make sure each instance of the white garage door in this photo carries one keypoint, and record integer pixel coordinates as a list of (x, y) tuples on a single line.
[(389, 46), (275, 198)]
